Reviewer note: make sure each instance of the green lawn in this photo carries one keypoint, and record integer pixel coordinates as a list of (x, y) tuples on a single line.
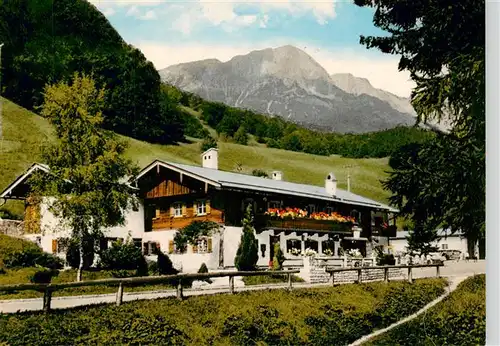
[(25, 133), (319, 316), (460, 319)]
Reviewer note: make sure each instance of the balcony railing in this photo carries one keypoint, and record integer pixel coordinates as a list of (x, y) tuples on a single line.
[(265, 221)]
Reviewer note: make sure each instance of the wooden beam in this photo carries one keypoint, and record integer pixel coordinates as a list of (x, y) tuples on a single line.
[(181, 177), (157, 168)]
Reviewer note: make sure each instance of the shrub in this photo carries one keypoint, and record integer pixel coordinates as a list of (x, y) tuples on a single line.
[(260, 173), (279, 257), (122, 256), (247, 253), (43, 276), (204, 269), (241, 136), (31, 257), (10, 245), (73, 253), (165, 266), (208, 143)]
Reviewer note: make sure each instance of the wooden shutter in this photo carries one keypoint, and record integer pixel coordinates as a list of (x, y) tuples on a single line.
[(184, 209), (195, 209), (145, 249), (157, 212), (207, 206), (54, 245), (170, 246), (172, 211), (209, 245)]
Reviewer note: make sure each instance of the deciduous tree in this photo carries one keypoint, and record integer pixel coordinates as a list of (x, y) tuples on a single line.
[(87, 183)]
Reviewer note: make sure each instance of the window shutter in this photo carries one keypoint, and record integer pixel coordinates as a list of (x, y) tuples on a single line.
[(207, 205), (145, 249), (195, 208), (209, 245), (54, 245), (157, 212), (184, 209), (170, 246), (172, 211)]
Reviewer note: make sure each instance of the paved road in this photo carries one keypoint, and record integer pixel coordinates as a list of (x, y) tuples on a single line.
[(451, 269)]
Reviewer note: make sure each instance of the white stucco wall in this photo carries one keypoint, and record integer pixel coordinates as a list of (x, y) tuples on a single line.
[(454, 242), (188, 262), (52, 228)]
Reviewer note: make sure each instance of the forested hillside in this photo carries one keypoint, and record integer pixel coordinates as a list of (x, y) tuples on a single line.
[(47, 41)]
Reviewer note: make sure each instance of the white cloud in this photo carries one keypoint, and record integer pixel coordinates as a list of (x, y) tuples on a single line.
[(149, 15), (223, 12), (381, 70), (108, 11)]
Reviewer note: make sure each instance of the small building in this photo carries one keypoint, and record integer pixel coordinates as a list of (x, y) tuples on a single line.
[(297, 216), (446, 241)]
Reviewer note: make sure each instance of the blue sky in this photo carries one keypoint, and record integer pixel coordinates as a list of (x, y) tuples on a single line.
[(170, 32)]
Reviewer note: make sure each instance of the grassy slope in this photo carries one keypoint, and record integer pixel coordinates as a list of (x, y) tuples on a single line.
[(25, 132), (460, 319)]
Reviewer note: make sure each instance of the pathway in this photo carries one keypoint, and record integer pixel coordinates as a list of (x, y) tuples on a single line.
[(451, 269), (454, 282)]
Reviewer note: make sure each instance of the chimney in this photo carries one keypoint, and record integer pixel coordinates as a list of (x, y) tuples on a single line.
[(331, 184), (277, 175), (210, 158)]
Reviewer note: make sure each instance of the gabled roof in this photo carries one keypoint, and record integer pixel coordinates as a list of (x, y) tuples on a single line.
[(230, 180), (22, 179), (7, 193)]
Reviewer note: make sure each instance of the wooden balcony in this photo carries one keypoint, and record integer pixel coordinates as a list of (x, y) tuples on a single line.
[(303, 224), (174, 223)]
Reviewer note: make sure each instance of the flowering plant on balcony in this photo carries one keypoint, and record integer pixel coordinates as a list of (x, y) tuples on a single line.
[(294, 251), (332, 217), (292, 213), (309, 252), (328, 252), (354, 253)]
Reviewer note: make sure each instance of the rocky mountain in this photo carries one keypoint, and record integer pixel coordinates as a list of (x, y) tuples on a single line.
[(287, 82)]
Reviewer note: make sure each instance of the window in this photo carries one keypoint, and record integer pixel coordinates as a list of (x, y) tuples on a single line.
[(201, 208), (356, 215), (39, 241), (311, 208), (274, 204), (149, 248), (444, 246), (328, 210), (202, 245), (293, 246), (177, 209)]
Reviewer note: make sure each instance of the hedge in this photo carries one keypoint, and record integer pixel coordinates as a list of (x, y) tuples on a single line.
[(314, 316), (460, 319)]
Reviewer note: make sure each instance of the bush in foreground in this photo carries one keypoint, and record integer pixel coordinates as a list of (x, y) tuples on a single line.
[(31, 257), (274, 317), (460, 319)]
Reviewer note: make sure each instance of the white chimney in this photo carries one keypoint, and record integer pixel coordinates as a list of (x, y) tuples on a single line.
[(277, 175), (331, 184), (210, 158)]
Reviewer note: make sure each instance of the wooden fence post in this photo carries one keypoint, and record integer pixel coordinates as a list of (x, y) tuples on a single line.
[(231, 284), (289, 281), (359, 276), (47, 298), (386, 274), (437, 271), (179, 290), (410, 278), (119, 295)]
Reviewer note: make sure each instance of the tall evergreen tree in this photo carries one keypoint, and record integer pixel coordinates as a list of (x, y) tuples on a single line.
[(87, 182), (247, 254)]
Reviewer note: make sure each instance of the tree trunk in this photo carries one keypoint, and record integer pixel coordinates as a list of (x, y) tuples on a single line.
[(80, 266)]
